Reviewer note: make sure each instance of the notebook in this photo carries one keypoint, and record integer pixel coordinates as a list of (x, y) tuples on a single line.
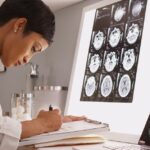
[(81, 140), (68, 130)]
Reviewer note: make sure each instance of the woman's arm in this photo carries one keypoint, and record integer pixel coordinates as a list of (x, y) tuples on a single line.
[(45, 122)]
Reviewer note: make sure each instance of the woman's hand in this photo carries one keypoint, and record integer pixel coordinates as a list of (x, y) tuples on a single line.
[(46, 121), (72, 118), (51, 120)]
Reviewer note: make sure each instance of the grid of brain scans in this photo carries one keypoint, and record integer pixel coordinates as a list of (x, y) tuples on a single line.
[(112, 60)]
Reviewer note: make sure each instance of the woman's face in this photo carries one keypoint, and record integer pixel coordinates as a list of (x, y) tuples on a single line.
[(18, 48)]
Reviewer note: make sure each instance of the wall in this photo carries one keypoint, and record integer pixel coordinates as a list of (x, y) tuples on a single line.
[(56, 62), (61, 54), (14, 79)]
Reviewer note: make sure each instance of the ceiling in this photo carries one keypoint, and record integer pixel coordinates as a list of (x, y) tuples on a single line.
[(56, 5)]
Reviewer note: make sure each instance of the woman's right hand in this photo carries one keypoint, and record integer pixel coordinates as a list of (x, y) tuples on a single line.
[(50, 120), (46, 121)]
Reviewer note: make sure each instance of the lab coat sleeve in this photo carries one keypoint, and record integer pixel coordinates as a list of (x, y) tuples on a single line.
[(10, 132)]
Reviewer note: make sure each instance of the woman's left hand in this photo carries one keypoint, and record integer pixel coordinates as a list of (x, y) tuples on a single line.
[(71, 118)]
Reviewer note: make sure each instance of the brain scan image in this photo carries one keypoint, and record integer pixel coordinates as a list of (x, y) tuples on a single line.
[(129, 59), (119, 13), (111, 51), (115, 37), (110, 61), (137, 8), (124, 86), (95, 63), (133, 33), (90, 86), (98, 40), (106, 86)]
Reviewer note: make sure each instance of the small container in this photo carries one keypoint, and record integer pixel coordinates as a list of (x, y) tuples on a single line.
[(21, 106)]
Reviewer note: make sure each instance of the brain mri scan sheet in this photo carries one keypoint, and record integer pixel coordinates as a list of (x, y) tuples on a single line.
[(106, 86), (129, 59), (137, 8), (133, 33), (95, 63), (112, 51), (124, 85), (110, 61), (98, 40), (90, 86), (119, 13), (115, 37)]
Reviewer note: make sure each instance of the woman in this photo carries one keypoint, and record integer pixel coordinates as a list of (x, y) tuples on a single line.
[(26, 28)]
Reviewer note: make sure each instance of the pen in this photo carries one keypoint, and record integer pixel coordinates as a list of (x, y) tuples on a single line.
[(93, 121), (50, 108)]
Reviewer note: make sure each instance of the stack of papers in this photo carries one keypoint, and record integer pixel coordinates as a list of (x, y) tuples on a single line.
[(88, 139), (77, 132)]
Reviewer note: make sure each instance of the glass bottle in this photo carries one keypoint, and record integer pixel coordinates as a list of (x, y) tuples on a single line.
[(21, 106)]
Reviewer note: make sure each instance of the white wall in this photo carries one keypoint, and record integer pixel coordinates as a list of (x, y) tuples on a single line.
[(61, 54), (14, 79)]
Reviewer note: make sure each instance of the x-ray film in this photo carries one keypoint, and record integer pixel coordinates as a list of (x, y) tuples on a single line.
[(110, 73)]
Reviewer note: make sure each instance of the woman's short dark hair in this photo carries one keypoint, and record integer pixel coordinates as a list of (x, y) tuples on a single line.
[(40, 18)]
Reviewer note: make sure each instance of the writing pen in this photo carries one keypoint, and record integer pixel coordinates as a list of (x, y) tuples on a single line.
[(50, 108)]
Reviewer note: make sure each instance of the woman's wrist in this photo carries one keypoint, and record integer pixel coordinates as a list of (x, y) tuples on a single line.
[(32, 127)]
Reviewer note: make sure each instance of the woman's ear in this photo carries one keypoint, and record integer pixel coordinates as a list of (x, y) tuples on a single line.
[(20, 24)]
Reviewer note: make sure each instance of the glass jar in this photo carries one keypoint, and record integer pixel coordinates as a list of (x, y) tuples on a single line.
[(21, 106)]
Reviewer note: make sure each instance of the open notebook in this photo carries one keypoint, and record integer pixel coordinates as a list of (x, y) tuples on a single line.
[(68, 131), (88, 139)]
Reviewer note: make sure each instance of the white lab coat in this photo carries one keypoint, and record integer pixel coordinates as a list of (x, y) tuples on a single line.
[(10, 131)]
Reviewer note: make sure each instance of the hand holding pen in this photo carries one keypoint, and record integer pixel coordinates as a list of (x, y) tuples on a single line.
[(50, 120), (50, 108), (69, 118)]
